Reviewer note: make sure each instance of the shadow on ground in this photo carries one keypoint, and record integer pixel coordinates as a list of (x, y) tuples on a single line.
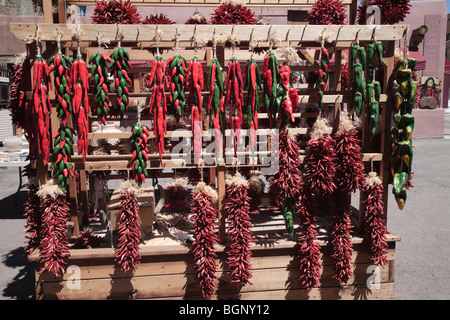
[(22, 285), (10, 209)]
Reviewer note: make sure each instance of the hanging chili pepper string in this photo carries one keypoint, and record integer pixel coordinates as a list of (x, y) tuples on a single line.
[(100, 72), (121, 67), (54, 251), (158, 105), (195, 85), (234, 98), (237, 210), (176, 195), (402, 151), (139, 145), (287, 181), (270, 76), (252, 83), (215, 108), (32, 213), (41, 100), (127, 251), (80, 84), (204, 213), (374, 220), (176, 76), (287, 96), (321, 83), (374, 54), (309, 250), (61, 65), (348, 178), (358, 86)]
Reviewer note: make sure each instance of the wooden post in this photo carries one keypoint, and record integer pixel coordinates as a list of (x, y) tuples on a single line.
[(47, 11), (73, 203), (62, 11), (221, 191), (385, 167)]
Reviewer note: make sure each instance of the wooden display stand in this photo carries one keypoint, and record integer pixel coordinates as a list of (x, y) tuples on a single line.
[(166, 269)]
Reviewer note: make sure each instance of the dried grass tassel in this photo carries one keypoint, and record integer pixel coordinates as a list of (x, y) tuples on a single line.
[(204, 212), (127, 251), (32, 213), (374, 220), (54, 247), (237, 210)]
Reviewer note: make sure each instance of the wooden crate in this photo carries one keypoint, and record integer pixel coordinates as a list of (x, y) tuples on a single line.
[(167, 272)]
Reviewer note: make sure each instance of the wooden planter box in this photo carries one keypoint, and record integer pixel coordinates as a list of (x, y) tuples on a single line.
[(167, 272)]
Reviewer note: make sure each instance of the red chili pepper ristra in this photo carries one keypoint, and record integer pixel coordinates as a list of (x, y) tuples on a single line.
[(158, 105), (129, 237), (80, 103), (176, 195), (309, 249), (204, 212), (42, 106), (252, 83), (32, 213), (287, 181), (319, 161), (237, 210), (374, 220), (289, 100), (349, 177), (54, 250), (194, 83), (235, 99), (215, 102)]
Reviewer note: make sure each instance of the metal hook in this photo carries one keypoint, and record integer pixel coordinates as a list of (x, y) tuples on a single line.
[(356, 37), (373, 34)]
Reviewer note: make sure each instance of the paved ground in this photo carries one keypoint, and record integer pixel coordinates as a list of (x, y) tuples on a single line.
[(422, 256)]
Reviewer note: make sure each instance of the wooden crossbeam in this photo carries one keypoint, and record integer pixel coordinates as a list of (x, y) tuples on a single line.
[(138, 33)]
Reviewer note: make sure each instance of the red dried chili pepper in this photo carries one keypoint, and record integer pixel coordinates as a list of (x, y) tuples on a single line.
[(54, 251), (41, 107), (204, 213), (374, 220), (81, 109), (158, 103), (129, 237), (309, 249), (237, 210), (348, 178), (32, 213)]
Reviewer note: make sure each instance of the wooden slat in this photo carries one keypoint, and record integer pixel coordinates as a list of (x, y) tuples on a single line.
[(185, 284), (297, 33)]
